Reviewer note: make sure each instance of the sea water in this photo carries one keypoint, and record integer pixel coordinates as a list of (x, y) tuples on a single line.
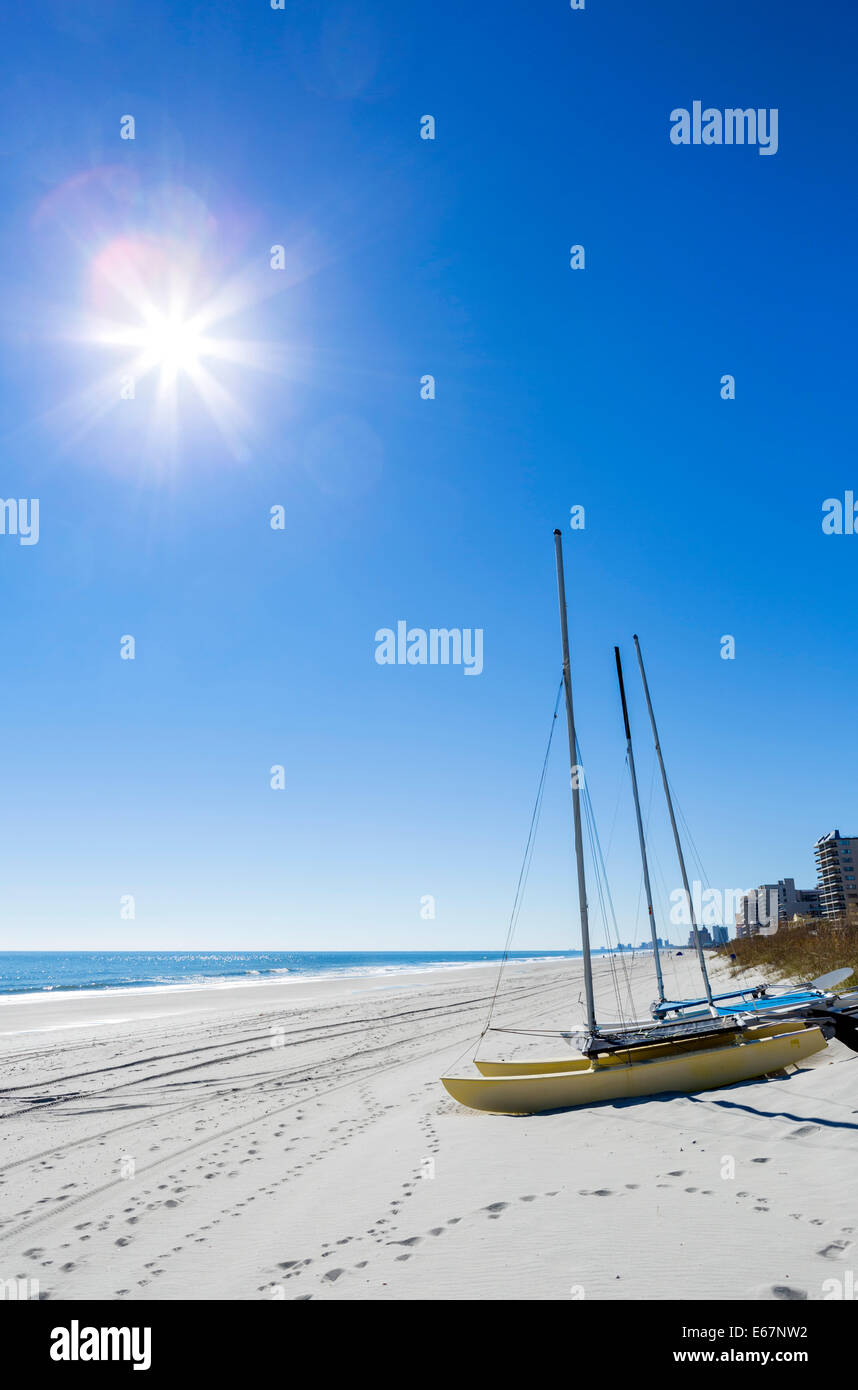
[(45, 972)]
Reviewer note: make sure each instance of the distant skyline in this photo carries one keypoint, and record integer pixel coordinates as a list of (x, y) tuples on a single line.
[(406, 786)]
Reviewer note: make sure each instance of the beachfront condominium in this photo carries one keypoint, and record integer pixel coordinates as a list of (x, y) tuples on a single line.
[(836, 858), (771, 905)]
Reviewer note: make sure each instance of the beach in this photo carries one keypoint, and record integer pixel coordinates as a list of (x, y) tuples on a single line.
[(291, 1140)]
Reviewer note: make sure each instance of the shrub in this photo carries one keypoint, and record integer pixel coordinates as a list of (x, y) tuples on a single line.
[(801, 951)]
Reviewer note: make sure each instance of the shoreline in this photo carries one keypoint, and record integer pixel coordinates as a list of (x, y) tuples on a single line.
[(204, 993), (299, 1145), (57, 1010), (277, 974), (253, 978), (37, 1012)]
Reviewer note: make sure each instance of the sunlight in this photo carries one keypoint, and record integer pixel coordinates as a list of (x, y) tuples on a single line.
[(162, 310), (172, 343), (171, 320)]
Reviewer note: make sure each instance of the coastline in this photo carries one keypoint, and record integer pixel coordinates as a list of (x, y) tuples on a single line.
[(37, 1011), (299, 1145)]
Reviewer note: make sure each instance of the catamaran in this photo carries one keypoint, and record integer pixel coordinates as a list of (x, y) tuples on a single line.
[(686, 1045), (806, 1001), (817, 999), (814, 1000)]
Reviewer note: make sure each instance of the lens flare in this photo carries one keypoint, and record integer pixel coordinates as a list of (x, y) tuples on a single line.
[(162, 317)]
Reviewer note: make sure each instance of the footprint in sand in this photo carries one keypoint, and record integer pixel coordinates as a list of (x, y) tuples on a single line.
[(837, 1250)]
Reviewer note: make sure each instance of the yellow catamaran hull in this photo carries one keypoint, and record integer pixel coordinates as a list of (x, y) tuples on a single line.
[(642, 1053), (527, 1088)]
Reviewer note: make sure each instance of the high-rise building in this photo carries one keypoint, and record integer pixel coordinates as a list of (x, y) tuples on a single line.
[(836, 859), (771, 905)]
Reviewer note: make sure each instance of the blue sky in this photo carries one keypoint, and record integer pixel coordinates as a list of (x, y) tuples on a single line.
[(554, 388)]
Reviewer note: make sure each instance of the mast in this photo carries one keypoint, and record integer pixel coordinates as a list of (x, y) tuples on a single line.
[(700, 956), (641, 837), (576, 796)]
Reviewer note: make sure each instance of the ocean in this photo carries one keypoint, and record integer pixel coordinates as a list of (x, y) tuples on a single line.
[(41, 972)]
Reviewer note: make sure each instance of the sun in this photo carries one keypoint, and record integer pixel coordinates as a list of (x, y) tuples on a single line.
[(172, 343), (161, 314), (170, 326), (169, 329)]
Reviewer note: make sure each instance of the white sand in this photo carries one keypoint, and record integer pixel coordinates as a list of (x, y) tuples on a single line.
[(335, 1165)]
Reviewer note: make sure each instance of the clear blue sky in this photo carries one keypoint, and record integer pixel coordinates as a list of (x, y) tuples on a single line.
[(599, 387)]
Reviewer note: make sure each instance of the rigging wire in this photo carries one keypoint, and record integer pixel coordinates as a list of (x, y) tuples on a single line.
[(606, 901), (620, 781), (690, 839), (606, 904), (662, 889), (525, 864)]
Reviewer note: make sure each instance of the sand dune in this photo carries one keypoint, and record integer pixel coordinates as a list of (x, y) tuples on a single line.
[(293, 1141)]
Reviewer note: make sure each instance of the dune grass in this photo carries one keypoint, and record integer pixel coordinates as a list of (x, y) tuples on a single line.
[(802, 951)]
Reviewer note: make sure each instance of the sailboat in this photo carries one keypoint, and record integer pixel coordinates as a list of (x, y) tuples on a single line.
[(816, 999), (684, 1051)]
